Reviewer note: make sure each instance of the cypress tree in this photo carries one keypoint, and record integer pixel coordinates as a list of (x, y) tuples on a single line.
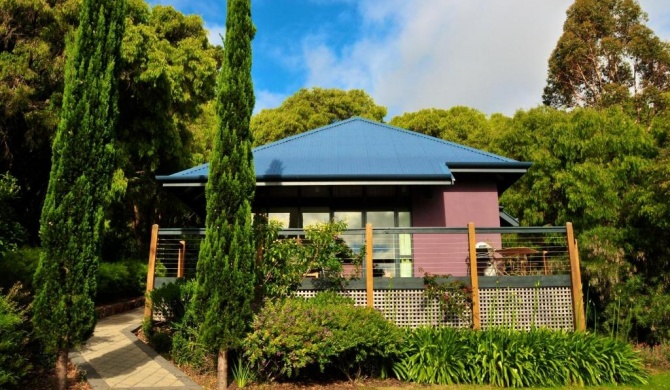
[(225, 265), (79, 184)]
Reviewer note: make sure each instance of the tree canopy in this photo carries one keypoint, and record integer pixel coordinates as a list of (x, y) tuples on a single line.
[(168, 71), (459, 124), (608, 56), (309, 109)]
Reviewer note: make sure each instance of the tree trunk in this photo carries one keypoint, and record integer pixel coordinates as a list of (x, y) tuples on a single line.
[(61, 369), (222, 370)]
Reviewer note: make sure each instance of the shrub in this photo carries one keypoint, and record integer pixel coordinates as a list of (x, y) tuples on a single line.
[(162, 342), (187, 350), (294, 335), (119, 280), (13, 339), (286, 260), (19, 267), (655, 357), (170, 299), (504, 357)]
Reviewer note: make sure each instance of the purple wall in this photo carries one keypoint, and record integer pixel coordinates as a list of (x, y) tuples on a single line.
[(451, 206)]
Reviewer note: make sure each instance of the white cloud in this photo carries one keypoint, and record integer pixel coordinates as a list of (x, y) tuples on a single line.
[(215, 32), (490, 55), (266, 99)]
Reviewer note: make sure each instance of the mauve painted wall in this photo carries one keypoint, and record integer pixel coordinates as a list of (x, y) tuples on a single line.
[(451, 206)]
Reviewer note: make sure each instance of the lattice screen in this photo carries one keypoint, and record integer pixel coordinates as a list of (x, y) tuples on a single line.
[(404, 307), (521, 308)]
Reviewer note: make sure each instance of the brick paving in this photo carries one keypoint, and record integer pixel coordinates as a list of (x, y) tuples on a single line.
[(114, 358)]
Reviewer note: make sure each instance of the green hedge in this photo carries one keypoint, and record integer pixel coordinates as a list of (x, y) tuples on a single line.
[(328, 333), (504, 357), (120, 280)]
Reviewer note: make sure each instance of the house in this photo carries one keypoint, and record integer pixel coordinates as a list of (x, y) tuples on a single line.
[(363, 172)]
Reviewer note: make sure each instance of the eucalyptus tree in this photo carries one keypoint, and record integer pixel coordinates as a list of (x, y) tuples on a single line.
[(79, 185), (608, 56)]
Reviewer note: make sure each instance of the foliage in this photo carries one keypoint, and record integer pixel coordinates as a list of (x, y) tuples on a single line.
[(242, 373), (286, 260), (655, 357), (79, 185), (221, 305), (591, 167), (170, 299), (508, 358), (19, 267), (294, 335), (453, 296), (187, 349), (282, 262), (309, 109), (458, 124), (607, 56), (326, 251), (168, 75), (14, 363), (11, 231), (168, 70), (32, 60), (123, 279), (162, 342)]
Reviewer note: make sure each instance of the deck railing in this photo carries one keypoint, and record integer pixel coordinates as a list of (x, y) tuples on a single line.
[(520, 277)]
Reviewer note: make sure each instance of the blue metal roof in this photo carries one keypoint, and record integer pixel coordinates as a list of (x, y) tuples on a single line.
[(359, 149)]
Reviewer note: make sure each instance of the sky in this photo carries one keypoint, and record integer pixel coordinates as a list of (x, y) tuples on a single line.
[(407, 54)]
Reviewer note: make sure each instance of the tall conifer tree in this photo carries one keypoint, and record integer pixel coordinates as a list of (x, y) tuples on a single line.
[(225, 265), (79, 184)]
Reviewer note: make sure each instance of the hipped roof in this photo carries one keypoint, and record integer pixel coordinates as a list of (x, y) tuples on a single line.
[(361, 150)]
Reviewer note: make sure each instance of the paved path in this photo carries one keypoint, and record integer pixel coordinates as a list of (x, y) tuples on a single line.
[(115, 359)]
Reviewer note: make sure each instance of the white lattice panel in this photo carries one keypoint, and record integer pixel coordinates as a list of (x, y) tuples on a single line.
[(522, 308), (404, 307)]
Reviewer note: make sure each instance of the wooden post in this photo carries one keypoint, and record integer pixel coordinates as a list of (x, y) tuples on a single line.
[(576, 279), (181, 259), (369, 283), (474, 278), (151, 270)]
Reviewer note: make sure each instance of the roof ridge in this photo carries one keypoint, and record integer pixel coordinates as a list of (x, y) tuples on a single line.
[(306, 133)]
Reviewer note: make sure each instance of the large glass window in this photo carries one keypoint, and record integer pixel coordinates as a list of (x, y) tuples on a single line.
[(287, 216), (382, 206), (314, 215), (354, 220)]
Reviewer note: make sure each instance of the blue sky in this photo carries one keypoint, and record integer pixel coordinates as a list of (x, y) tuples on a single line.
[(407, 54)]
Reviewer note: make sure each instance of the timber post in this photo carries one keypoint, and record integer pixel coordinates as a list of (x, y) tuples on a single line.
[(474, 279), (369, 282), (151, 270), (181, 259), (576, 281)]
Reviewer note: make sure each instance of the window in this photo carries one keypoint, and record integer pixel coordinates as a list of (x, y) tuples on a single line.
[(314, 215)]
